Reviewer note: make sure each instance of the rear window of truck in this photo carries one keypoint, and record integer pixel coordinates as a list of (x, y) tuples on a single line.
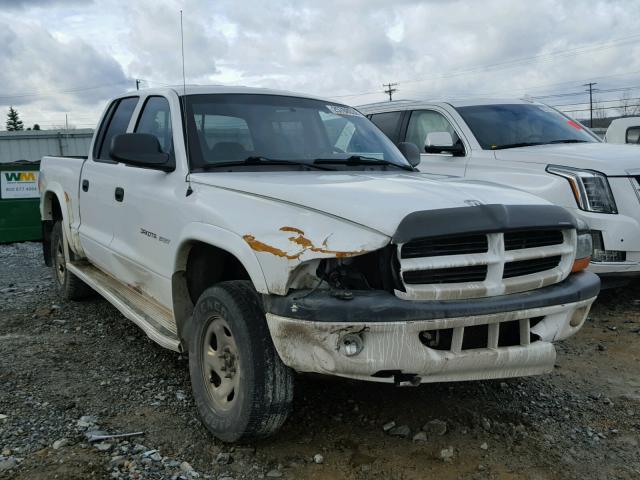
[(115, 123)]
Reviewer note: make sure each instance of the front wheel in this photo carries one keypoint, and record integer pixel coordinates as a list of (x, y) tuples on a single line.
[(242, 389)]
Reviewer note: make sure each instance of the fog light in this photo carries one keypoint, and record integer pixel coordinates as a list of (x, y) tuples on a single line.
[(602, 255), (351, 344), (578, 316)]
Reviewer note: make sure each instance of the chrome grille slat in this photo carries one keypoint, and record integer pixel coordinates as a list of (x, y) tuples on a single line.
[(508, 270)]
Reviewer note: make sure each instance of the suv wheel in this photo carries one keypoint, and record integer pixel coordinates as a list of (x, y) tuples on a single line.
[(242, 389)]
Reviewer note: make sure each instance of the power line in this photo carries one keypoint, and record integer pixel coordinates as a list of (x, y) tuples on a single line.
[(58, 92)]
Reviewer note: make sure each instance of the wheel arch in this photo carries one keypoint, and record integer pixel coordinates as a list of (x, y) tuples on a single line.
[(205, 256), (50, 212)]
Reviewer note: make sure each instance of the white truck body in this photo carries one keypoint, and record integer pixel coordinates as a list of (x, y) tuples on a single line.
[(132, 233), (526, 168), (624, 131)]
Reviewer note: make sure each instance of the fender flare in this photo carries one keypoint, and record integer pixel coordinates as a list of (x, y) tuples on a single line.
[(225, 240)]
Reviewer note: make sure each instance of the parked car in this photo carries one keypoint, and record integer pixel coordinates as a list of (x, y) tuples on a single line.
[(534, 148), (287, 233), (624, 130)]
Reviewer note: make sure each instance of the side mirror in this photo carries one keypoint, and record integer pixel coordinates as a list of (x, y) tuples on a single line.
[(410, 152), (438, 142), (140, 150)]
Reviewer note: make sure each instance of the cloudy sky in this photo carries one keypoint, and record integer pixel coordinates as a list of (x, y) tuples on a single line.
[(62, 57)]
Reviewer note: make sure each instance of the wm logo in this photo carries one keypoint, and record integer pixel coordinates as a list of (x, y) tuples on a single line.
[(20, 176)]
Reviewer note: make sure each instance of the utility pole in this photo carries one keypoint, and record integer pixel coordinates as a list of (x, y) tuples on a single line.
[(137, 84), (66, 121), (389, 89), (590, 86)]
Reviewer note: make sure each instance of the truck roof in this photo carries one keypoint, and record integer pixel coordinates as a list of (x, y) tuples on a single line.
[(220, 89), (461, 102)]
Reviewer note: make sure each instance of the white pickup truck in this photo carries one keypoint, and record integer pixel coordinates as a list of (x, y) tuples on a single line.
[(287, 234), (532, 147)]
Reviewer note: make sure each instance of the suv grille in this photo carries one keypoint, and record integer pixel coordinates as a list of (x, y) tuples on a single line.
[(483, 265)]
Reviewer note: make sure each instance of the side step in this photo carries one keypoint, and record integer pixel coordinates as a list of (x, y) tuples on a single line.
[(154, 319)]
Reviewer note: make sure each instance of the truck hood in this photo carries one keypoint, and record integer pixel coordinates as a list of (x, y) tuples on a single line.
[(604, 157), (377, 200)]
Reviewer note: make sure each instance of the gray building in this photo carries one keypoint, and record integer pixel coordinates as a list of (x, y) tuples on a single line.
[(32, 145)]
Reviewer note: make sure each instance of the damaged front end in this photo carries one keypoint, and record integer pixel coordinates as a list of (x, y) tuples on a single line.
[(469, 293)]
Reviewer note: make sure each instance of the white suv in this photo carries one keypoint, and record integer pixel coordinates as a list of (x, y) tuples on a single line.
[(532, 147)]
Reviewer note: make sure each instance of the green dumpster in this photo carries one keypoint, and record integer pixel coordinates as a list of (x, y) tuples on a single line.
[(19, 202)]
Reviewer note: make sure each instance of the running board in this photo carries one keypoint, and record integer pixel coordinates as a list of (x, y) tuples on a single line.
[(154, 319)]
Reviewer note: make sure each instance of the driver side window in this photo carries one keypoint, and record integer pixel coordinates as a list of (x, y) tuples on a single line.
[(423, 122)]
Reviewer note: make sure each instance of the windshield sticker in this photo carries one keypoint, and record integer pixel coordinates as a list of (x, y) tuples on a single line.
[(575, 125), (343, 110)]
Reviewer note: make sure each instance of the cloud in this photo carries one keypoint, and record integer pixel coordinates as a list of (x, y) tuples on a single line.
[(15, 4), (330, 48)]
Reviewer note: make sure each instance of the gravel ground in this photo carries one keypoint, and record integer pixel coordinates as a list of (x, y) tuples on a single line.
[(71, 371)]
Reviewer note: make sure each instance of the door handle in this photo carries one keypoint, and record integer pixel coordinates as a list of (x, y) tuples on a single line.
[(85, 185), (119, 194)]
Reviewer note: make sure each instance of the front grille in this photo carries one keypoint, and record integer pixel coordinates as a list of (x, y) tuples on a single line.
[(528, 267), (476, 273), (532, 239), (435, 247), (483, 265)]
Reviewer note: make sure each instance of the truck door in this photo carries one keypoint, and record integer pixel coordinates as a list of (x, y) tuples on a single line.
[(423, 122), (98, 179), (145, 236)]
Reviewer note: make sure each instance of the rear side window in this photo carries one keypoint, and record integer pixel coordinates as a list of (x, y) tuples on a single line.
[(389, 123), (116, 125), (633, 135), (155, 119)]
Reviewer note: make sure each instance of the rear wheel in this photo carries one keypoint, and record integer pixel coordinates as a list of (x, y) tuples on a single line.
[(241, 387), (69, 286)]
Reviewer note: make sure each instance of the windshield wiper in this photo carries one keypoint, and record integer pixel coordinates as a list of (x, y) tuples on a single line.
[(258, 160), (516, 145), (570, 140), (360, 160)]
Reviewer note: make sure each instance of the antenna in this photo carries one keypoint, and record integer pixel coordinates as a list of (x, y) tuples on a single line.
[(184, 109)]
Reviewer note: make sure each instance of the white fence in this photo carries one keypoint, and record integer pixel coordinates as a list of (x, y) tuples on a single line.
[(32, 145)]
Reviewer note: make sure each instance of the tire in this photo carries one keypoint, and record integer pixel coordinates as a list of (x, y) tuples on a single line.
[(68, 285), (242, 389)]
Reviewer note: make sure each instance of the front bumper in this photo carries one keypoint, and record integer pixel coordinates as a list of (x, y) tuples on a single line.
[(309, 333)]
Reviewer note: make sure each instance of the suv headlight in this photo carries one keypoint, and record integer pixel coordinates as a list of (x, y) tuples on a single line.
[(590, 188)]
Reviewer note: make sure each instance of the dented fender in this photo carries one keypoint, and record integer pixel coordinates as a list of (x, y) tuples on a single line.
[(282, 250)]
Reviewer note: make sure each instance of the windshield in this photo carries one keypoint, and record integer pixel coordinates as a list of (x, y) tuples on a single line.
[(518, 125), (261, 130)]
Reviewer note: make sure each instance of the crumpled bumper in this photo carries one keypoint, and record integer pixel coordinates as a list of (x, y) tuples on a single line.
[(398, 346)]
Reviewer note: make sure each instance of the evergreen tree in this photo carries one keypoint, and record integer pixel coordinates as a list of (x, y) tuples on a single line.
[(14, 123)]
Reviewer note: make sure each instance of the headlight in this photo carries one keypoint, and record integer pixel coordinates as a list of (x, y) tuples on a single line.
[(590, 188)]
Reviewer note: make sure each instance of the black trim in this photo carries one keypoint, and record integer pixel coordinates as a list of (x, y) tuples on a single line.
[(101, 134), (379, 306), (482, 219)]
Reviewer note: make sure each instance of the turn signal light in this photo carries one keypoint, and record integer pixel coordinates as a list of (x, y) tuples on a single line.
[(580, 264)]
